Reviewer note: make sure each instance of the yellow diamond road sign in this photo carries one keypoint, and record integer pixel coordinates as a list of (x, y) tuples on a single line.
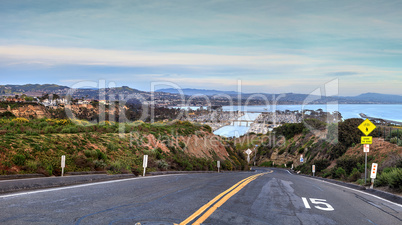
[(367, 127)]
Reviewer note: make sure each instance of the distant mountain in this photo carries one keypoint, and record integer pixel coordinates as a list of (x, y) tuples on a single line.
[(293, 98), (190, 91), (285, 98), (33, 87), (87, 92), (376, 98)]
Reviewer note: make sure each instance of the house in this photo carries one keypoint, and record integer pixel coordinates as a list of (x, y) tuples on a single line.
[(10, 99)]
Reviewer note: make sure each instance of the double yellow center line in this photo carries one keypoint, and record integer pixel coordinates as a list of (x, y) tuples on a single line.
[(222, 197)]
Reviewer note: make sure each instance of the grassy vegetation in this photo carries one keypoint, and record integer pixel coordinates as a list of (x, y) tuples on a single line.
[(56, 126), (36, 146), (322, 153), (391, 177)]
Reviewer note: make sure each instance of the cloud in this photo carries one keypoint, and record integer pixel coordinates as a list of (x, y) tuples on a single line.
[(26, 54), (343, 73)]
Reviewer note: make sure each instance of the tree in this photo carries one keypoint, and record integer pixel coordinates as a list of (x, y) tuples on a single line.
[(349, 134), (7, 114), (55, 96)]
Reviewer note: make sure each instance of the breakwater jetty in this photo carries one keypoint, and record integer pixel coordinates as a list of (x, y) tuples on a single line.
[(379, 120)]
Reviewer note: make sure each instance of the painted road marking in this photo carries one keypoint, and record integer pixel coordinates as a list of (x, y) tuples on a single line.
[(224, 196), (317, 201), (81, 185), (203, 208), (306, 203)]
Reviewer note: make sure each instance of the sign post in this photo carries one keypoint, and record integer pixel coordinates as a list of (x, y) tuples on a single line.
[(373, 173), (313, 170), (366, 127), (248, 152), (145, 164), (218, 164), (366, 148), (301, 158), (255, 154), (63, 164)]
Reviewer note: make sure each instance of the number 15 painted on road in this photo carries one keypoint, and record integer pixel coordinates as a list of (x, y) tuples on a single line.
[(317, 201)]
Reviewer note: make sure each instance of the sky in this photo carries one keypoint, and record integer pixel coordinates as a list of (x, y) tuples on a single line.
[(267, 46)]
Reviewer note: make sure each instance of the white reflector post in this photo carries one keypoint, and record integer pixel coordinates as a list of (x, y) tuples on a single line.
[(145, 164), (63, 164)]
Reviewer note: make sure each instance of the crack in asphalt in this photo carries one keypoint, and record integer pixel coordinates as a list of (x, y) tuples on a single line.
[(372, 204), (152, 201), (284, 189)]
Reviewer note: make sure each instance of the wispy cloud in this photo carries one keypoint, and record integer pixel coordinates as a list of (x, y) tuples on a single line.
[(84, 56), (343, 73), (270, 45)]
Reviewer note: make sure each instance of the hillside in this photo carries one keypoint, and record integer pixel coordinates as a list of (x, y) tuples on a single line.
[(339, 159), (375, 97), (35, 146), (191, 91), (172, 94)]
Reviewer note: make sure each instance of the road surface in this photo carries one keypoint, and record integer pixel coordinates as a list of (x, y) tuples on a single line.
[(267, 196)]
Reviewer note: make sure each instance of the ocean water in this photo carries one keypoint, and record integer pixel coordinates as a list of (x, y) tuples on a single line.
[(384, 111), (238, 128)]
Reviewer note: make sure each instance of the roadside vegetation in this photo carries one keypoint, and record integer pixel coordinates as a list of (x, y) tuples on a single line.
[(341, 158), (36, 146)]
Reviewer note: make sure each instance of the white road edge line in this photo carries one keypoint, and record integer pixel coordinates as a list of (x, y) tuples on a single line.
[(35, 178), (82, 185), (375, 196)]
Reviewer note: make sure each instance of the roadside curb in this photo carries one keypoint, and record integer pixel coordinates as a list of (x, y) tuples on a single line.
[(7, 186), (20, 176), (385, 195)]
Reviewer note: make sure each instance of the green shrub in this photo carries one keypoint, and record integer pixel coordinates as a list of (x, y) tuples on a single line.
[(99, 164), (65, 130), (19, 159), (7, 114), (360, 181), (111, 147), (182, 145), (301, 150), (349, 163), (340, 173), (43, 124), (289, 130), (395, 133), (49, 170), (315, 124), (88, 153), (391, 178), (32, 165), (354, 175), (394, 140), (267, 164), (208, 128), (101, 155), (162, 164), (327, 174), (116, 167)]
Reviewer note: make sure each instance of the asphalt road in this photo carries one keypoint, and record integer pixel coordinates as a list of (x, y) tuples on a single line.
[(268, 196)]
